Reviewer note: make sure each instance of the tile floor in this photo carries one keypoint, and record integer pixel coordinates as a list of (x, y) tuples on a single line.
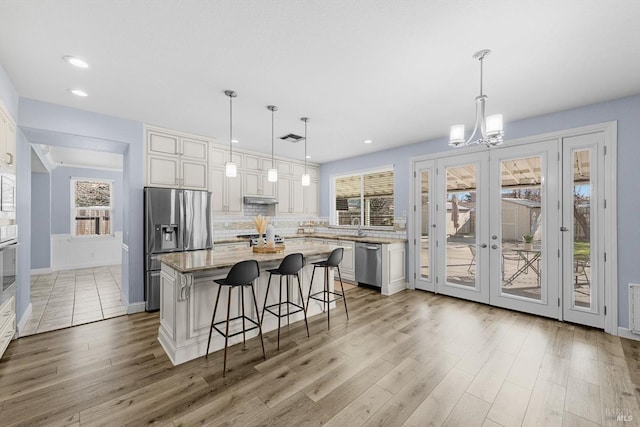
[(73, 297)]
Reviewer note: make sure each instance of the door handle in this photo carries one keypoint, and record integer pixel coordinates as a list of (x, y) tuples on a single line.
[(484, 245), (563, 228), (494, 246)]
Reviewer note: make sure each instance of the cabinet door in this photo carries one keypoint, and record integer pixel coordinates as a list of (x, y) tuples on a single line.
[(162, 171), (311, 198), (10, 148), (253, 183), (252, 163), (4, 132), (194, 175), (216, 186), (284, 168), (218, 155), (284, 195), (348, 259), (234, 194), (297, 170), (268, 188), (297, 196), (194, 149), (159, 143)]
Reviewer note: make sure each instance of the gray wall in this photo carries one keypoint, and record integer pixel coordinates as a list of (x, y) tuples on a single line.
[(41, 222), (45, 123), (61, 195), (627, 113)]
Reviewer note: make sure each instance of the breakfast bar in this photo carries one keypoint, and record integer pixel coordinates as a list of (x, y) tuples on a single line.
[(187, 294)]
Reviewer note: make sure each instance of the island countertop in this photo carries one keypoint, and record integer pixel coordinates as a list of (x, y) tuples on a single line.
[(196, 261)]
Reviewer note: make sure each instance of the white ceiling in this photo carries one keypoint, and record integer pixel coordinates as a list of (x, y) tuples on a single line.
[(395, 72)]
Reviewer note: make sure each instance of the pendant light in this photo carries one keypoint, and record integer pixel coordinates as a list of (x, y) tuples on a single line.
[(272, 174), (306, 179), (491, 129), (230, 168)]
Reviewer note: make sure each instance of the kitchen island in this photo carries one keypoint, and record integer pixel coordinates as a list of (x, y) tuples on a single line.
[(187, 294)]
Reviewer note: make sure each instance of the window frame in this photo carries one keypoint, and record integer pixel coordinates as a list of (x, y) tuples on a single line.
[(73, 209), (361, 173)]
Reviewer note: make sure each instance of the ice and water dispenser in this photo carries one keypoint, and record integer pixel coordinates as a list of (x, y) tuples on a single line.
[(167, 234)]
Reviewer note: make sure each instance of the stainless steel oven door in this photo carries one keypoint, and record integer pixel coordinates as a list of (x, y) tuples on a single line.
[(8, 263)]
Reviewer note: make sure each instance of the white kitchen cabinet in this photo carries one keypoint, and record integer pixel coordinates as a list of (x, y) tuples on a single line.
[(256, 180), (311, 198), (219, 155), (226, 193), (347, 266), (393, 268), (176, 161), (7, 139), (283, 195), (297, 196), (7, 323)]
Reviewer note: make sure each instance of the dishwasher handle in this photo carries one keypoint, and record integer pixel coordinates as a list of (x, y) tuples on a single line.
[(372, 248)]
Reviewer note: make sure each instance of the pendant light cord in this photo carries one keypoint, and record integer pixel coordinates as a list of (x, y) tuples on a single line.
[(305, 146), (273, 165), (230, 128)]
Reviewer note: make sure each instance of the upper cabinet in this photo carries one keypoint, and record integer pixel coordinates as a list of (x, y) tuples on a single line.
[(7, 140), (176, 160)]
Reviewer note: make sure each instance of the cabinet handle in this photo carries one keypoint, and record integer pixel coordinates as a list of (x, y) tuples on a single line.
[(10, 162)]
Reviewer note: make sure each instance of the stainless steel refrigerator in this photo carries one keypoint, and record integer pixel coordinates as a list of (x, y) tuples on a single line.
[(175, 220)]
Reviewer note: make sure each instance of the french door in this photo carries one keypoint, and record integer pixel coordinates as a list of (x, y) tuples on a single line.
[(583, 228), (519, 227), (525, 205)]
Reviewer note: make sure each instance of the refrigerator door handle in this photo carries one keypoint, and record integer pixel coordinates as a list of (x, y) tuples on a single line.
[(182, 229)]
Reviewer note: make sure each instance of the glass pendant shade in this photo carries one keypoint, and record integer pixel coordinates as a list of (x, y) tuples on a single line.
[(457, 135), (494, 125), (230, 170), (272, 175), (306, 180)]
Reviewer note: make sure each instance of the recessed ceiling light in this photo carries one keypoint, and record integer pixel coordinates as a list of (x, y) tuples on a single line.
[(78, 92), (235, 141), (368, 141), (76, 62), (308, 156)]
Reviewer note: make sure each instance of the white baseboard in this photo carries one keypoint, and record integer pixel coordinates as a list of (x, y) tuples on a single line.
[(41, 271), (136, 307), (626, 333), (25, 318)]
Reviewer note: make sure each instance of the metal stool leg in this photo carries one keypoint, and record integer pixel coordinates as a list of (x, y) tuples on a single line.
[(304, 310), (344, 298), (311, 285), (266, 295), (326, 296), (215, 307), (244, 327), (279, 310), (255, 302), (288, 299), (226, 335)]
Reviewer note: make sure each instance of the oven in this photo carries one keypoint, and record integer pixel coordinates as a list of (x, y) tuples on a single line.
[(8, 249)]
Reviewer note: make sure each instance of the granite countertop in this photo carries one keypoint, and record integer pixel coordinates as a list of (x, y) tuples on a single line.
[(363, 239), (196, 261)]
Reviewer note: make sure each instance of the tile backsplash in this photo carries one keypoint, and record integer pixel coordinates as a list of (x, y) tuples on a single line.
[(225, 227)]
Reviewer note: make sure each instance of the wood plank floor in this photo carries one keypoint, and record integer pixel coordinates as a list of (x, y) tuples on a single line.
[(412, 359)]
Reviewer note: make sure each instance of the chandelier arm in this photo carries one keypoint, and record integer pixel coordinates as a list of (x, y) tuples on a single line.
[(475, 128)]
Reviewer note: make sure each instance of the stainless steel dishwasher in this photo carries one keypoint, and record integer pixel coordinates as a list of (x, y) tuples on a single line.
[(369, 264)]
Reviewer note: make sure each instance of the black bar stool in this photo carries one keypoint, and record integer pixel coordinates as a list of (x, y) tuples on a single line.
[(241, 274), (334, 260), (290, 266)]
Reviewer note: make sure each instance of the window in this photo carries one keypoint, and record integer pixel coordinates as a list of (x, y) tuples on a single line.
[(364, 199), (91, 207)]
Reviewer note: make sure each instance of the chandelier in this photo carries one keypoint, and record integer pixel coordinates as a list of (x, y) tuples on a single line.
[(491, 129)]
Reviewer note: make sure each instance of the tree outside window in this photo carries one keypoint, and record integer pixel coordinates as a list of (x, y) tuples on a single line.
[(91, 211)]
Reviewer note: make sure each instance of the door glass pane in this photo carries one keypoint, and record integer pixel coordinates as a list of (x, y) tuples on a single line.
[(522, 227), (461, 225), (582, 229), (425, 226)]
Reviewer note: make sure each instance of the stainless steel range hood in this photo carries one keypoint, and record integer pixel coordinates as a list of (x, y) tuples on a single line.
[(260, 200)]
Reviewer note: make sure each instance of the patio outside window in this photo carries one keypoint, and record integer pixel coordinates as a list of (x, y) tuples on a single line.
[(364, 199), (91, 209)]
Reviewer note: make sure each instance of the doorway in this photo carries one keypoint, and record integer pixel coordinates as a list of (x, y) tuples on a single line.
[(519, 226)]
